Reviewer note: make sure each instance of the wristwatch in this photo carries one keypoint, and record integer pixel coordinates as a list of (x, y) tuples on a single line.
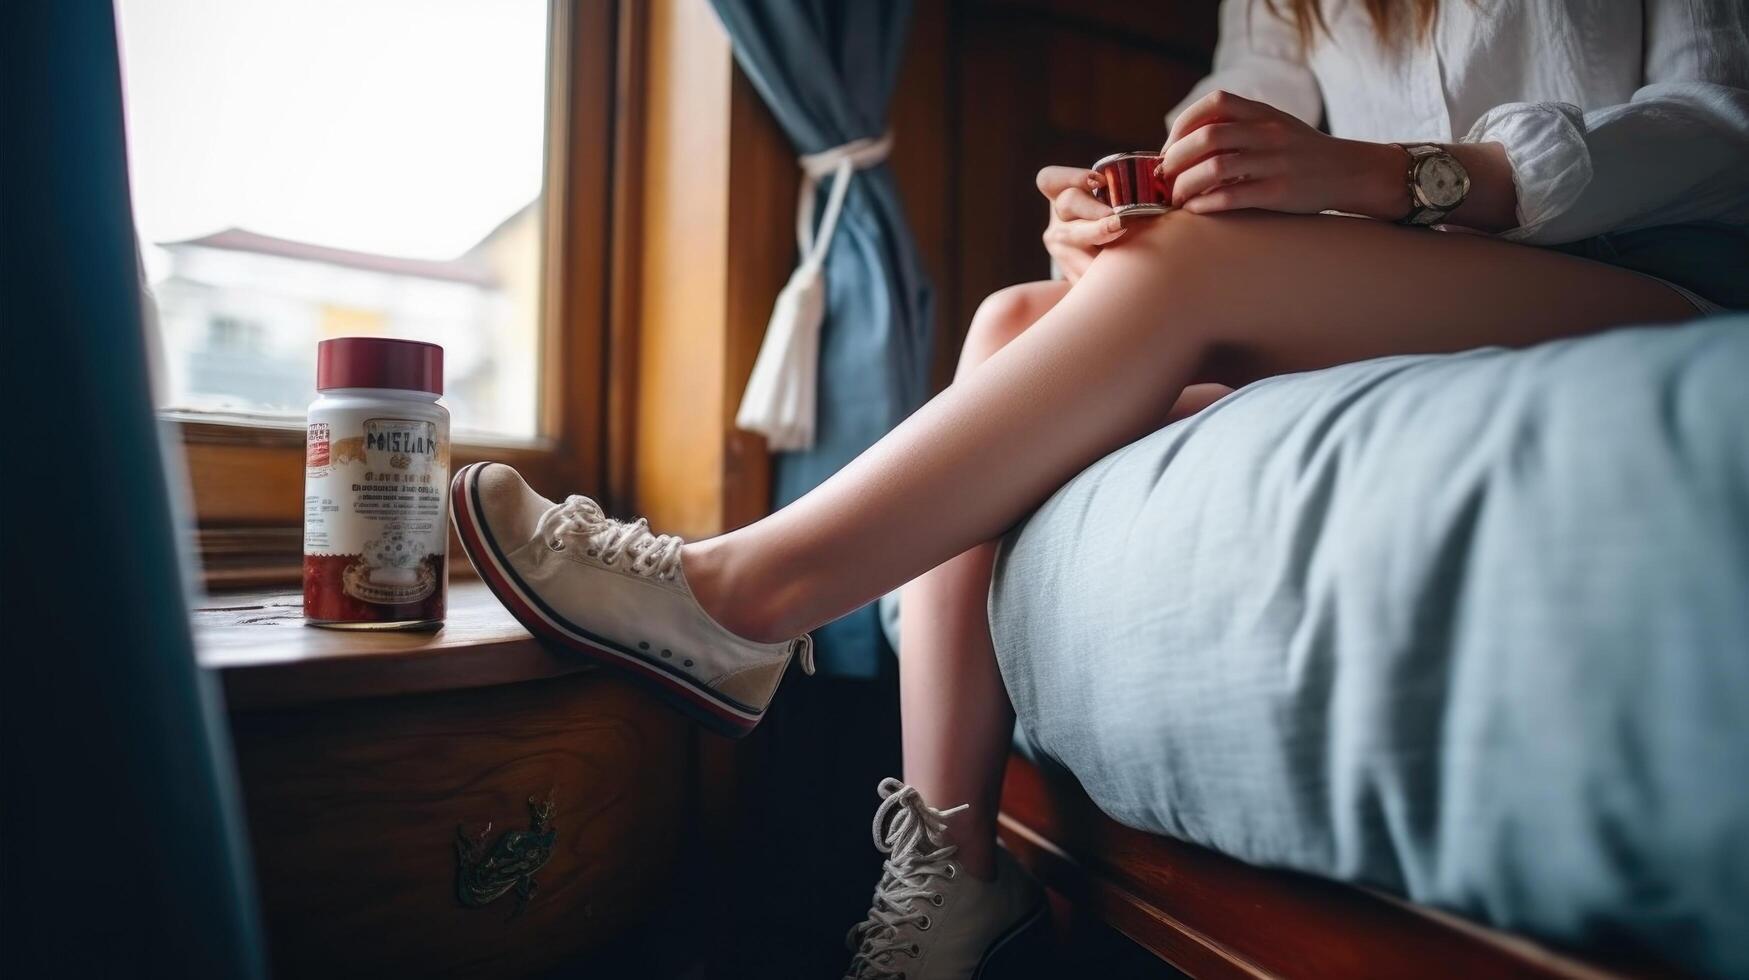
[(1438, 183)]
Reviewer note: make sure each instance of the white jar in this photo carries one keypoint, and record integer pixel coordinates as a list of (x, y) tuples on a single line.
[(376, 486)]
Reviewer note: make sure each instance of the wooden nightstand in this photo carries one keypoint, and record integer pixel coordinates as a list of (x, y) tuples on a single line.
[(463, 802)]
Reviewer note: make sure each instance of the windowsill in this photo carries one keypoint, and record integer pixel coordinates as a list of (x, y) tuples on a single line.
[(266, 657)]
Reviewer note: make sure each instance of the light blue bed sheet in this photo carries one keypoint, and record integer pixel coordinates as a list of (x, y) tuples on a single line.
[(1473, 629)]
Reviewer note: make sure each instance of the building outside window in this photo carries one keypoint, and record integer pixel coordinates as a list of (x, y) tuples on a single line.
[(327, 168)]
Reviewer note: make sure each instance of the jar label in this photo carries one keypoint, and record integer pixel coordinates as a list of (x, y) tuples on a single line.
[(376, 525), (316, 447)]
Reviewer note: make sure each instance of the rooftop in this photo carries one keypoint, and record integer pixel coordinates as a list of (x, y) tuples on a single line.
[(464, 269)]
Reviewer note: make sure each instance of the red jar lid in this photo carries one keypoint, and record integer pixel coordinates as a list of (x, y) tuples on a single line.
[(378, 362)]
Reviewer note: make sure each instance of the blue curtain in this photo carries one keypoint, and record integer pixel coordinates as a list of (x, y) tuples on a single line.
[(122, 844), (826, 68)]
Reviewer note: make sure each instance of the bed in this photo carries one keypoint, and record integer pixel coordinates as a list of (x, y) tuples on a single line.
[(1404, 663)]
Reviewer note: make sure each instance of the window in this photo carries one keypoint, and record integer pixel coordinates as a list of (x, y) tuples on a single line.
[(431, 169), (334, 168)]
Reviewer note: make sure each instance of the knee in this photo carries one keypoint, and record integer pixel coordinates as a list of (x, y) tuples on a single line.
[(1001, 317), (1177, 245), (1004, 315), (1193, 272), (1194, 255)]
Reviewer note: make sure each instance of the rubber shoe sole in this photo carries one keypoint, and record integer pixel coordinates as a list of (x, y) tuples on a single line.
[(548, 626)]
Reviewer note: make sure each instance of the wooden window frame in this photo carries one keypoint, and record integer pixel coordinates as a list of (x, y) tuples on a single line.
[(246, 480), (670, 201), (714, 203)]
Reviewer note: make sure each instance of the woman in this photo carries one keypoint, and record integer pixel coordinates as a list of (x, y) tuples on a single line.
[(1568, 121)]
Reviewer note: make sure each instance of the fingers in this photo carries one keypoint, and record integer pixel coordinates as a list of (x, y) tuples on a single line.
[(1217, 106), (1074, 243), (1055, 180), (1268, 193), (1216, 138), (1075, 203), (1223, 170), (1083, 234), (1080, 223)]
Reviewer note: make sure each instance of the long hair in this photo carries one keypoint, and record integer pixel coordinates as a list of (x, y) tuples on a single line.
[(1390, 18)]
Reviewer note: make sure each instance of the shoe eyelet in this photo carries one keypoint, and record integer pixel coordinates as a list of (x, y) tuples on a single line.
[(951, 872), (667, 653), (926, 923), (592, 552), (916, 948), (556, 544), (936, 900), (687, 662)]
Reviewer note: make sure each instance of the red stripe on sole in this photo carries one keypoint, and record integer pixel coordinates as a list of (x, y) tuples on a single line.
[(479, 555)]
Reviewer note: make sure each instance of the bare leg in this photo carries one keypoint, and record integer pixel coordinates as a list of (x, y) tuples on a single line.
[(1244, 294), (958, 722), (957, 719)]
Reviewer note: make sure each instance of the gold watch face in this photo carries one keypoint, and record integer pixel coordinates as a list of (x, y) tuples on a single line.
[(1441, 181)]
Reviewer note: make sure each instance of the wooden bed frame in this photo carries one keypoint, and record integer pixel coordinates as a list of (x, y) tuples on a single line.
[(1212, 916)]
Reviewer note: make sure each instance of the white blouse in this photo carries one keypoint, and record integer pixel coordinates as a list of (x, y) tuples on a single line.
[(1615, 114)]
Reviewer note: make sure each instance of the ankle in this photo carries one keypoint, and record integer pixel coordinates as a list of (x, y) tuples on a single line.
[(976, 840), (728, 592)]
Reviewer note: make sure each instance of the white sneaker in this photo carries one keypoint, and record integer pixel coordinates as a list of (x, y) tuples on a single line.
[(930, 920), (615, 592)]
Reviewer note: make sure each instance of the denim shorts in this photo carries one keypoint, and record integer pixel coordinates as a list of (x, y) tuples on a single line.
[(1707, 262)]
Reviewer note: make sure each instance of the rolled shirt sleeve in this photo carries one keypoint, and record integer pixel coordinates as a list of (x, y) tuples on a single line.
[(1677, 151), (1259, 57)]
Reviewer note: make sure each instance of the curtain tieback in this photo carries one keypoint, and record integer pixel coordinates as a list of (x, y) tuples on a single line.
[(782, 392)]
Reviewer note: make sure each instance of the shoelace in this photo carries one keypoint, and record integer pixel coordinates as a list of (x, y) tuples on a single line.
[(652, 555), (910, 832), (804, 651)]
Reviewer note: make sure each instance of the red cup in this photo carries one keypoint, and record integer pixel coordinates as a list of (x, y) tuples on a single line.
[(1129, 184)]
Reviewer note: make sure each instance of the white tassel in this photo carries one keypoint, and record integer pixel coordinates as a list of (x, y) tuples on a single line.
[(782, 394)]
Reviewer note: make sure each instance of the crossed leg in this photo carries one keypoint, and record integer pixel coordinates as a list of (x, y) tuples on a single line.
[(957, 717), (954, 711), (1227, 297), (1185, 296)]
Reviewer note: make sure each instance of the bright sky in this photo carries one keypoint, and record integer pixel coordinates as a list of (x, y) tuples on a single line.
[(406, 127)]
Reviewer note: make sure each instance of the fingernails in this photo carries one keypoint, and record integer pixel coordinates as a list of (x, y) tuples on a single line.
[(1114, 223)]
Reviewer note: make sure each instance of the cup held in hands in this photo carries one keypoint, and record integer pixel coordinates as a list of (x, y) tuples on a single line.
[(1128, 182)]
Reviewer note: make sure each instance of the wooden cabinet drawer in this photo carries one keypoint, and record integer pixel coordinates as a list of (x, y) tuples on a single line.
[(355, 808)]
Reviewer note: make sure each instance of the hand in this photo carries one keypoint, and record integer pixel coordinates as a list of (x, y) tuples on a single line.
[(1227, 152), (1080, 224)]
